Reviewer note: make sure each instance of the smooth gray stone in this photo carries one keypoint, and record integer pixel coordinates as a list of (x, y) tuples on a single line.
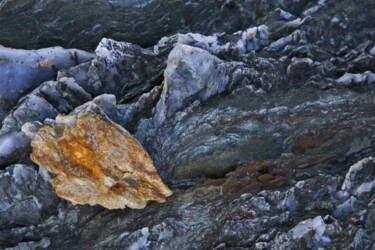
[(23, 70), (14, 147)]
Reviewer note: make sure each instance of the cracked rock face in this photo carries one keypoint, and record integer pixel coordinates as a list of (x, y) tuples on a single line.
[(97, 162)]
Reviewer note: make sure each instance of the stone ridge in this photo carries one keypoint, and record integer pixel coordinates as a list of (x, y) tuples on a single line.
[(97, 162)]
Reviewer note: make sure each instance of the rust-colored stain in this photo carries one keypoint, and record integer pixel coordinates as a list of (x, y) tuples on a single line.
[(312, 140), (97, 162)]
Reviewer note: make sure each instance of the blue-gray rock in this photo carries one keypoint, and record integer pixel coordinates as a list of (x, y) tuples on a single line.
[(14, 147), (23, 70), (119, 68), (27, 197), (46, 101)]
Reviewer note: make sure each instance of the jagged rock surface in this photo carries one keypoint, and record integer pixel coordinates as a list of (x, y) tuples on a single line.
[(274, 153), (30, 198), (122, 69)]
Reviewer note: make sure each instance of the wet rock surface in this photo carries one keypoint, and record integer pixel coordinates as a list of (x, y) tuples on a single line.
[(265, 135)]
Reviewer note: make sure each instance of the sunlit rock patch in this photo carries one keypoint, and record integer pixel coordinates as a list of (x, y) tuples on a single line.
[(97, 161)]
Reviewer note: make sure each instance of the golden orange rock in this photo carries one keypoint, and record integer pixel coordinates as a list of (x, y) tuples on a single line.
[(96, 161)]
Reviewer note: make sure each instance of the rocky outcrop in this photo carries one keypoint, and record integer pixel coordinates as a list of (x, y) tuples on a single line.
[(118, 68), (269, 204), (96, 161), (191, 74), (265, 135), (29, 208)]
